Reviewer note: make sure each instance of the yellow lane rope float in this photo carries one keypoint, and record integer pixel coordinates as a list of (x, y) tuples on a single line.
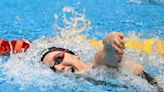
[(144, 45)]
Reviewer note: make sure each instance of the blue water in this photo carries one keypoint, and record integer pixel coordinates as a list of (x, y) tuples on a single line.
[(33, 19)]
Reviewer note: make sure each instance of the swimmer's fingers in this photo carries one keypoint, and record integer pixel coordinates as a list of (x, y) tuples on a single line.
[(121, 35), (118, 39), (118, 43), (121, 39), (118, 50), (114, 38)]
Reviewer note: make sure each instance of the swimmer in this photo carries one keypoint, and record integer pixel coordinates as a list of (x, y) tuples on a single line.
[(64, 60)]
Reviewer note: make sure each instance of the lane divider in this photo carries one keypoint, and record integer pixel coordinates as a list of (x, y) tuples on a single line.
[(144, 45), (17, 46)]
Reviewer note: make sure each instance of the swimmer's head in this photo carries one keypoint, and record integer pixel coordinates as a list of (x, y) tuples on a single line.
[(62, 60)]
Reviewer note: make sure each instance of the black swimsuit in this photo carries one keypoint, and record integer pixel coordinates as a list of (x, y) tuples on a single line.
[(151, 80), (144, 75)]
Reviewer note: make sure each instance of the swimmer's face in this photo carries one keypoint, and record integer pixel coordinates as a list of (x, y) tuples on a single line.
[(64, 62)]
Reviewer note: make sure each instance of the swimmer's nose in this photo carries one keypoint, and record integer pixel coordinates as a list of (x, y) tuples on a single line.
[(62, 68), (59, 68)]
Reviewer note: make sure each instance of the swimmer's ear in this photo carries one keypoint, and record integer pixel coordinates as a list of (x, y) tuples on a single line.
[(160, 82)]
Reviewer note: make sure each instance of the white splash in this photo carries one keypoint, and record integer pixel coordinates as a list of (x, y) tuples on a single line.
[(68, 9), (25, 69)]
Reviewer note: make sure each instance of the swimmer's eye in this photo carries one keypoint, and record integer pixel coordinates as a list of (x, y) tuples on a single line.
[(59, 58), (71, 70)]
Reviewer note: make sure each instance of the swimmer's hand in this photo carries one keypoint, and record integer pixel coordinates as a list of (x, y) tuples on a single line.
[(111, 53), (116, 40)]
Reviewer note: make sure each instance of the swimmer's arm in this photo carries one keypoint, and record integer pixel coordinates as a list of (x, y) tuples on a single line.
[(100, 59), (113, 45), (135, 67), (116, 40)]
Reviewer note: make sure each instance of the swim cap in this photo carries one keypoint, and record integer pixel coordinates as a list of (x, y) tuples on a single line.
[(51, 49)]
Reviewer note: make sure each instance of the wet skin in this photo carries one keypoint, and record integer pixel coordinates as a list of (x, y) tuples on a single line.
[(64, 62)]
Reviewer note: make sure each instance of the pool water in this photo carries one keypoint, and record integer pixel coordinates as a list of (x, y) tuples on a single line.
[(33, 18), (47, 21)]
